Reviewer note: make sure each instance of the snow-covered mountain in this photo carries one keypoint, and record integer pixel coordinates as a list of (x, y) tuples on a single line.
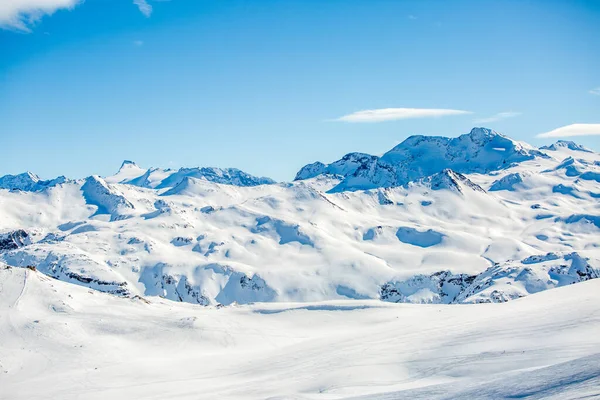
[(130, 173), (113, 286), (346, 166), (480, 151), (477, 218), (566, 144), (28, 181)]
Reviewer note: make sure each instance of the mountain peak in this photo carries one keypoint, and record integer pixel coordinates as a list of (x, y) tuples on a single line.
[(480, 151), (477, 135), (28, 182), (566, 144), (128, 164), (29, 176), (344, 166), (484, 132), (128, 170), (482, 136)]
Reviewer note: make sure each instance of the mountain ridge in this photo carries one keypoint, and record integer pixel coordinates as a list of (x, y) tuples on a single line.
[(210, 237), (482, 150), (359, 171)]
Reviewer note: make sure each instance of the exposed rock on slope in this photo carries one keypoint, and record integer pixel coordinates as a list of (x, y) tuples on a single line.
[(13, 240), (497, 284), (226, 286), (70, 265), (450, 180), (441, 287)]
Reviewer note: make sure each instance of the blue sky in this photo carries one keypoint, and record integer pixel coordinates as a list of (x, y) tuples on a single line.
[(268, 86)]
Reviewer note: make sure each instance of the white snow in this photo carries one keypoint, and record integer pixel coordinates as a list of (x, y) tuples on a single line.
[(212, 283), (63, 341), (200, 240), (480, 151)]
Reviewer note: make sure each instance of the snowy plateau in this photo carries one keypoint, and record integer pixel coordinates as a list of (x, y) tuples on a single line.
[(446, 268)]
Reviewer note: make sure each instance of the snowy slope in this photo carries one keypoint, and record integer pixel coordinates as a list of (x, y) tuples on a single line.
[(63, 341), (474, 210)]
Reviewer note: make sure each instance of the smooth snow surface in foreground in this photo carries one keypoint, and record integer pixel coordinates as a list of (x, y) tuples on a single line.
[(62, 341)]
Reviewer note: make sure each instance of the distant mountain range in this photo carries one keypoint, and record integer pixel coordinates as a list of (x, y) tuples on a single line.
[(480, 151), (476, 218)]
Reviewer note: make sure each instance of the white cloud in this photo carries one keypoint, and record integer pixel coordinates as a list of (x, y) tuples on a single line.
[(412, 17), (392, 114), (22, 14), (144, 7), (497, 117), (138, 42), (595, 91), (573, 130)]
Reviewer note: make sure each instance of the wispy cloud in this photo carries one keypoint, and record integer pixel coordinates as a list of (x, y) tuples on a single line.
[(21, 15), (573, 130), (392, 114), (412, 17), (595, 91), (497, 117), (144, 7), (138, 42)]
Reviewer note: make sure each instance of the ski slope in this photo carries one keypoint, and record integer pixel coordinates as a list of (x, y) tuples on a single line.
[(65, 341)]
